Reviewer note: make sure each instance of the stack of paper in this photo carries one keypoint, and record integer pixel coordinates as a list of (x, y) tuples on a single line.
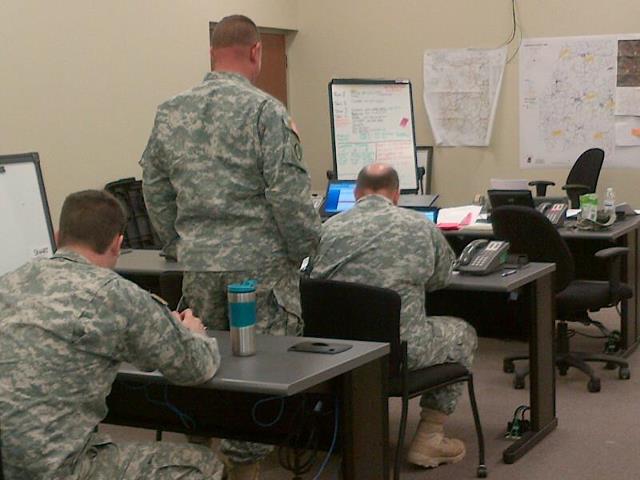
[(457, 217)]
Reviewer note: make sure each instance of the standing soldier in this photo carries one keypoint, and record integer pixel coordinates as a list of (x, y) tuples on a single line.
[(228, 193)]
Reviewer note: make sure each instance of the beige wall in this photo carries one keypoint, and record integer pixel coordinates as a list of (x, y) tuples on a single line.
[(80, 79), (380, 38)]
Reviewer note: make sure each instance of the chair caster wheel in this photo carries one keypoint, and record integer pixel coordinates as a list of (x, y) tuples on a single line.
[(518, 383), (508, 366), (594, 385), (624, 373), (482, 471)]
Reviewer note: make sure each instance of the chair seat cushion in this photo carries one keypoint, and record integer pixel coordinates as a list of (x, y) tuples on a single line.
[(583, 295), (425, 378)]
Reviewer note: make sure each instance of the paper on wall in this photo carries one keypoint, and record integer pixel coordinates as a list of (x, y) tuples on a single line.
[(461, 88)]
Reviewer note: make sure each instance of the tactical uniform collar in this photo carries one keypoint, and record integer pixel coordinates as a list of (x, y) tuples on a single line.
[(70, 255), (217, 75), (375, 200)]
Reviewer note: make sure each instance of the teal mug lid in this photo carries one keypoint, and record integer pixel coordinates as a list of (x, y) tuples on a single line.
[(247, 286)]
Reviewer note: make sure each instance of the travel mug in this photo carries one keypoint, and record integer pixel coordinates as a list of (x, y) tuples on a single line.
[(241, 299)]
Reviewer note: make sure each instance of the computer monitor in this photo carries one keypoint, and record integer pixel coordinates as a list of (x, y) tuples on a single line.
[(430, 213), (499, 198), (340, 197)]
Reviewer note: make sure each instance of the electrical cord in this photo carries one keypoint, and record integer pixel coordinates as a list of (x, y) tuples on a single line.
[(336, 425), (262, 401), (187, 422)]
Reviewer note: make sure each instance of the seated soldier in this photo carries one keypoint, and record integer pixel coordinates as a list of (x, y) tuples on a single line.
[(66, 325), (379, 244)]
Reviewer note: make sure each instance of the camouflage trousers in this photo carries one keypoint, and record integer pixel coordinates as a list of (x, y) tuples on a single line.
[(441, 340), (104, 460), (278, 313)]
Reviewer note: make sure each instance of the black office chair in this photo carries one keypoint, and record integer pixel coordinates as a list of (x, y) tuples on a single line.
[(353, 311), (530, 232), (583, 177)]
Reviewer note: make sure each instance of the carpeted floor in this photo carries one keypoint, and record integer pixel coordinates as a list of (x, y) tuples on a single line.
[(597, 437)]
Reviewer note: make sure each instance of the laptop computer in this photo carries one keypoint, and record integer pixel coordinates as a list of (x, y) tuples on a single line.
[(499, 198), (340, 197), (430, 213)]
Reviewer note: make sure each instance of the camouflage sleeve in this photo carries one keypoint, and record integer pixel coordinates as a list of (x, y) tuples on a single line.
[(288, 188), (159, 195), (443, 258), (155, 340)]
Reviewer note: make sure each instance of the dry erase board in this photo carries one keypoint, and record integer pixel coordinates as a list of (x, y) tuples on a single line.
[(372, 121), (24, 212)]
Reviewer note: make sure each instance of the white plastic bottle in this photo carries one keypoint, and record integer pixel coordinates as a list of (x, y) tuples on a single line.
[(610, 202)]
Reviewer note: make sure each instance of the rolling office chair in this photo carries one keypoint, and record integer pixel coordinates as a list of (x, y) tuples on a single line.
[(353, 311), (531, 233), (583, 177)]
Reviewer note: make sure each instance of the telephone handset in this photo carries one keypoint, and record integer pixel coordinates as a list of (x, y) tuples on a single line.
[(482, 257), (555, 212)]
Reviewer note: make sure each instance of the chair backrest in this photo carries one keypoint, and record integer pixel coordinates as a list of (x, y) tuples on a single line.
[(352, 311), (587, 168), (531, 233)]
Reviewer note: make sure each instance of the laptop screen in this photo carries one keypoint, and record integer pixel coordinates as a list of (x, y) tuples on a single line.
[(430, 213), (340, 196)]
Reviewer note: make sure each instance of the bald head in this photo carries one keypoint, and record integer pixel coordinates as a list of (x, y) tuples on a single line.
[(379, 179), (236, 47)]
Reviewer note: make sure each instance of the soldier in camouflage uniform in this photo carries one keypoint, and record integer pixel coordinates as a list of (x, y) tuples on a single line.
[(225, 185), (66, 325), (379, 244)]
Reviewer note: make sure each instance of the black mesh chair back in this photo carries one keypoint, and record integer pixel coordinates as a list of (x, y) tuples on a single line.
[(586, 170), (354, 312), (531, 233)]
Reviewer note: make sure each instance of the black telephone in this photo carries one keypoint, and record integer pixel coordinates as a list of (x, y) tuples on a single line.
[(482, 257), (555, 212)]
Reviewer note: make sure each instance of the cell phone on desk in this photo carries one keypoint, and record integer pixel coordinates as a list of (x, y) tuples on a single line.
[(555, 212), (482, 257)]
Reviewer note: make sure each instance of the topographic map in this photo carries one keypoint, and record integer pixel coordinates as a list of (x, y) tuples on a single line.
[(568, 93), (461, 89)]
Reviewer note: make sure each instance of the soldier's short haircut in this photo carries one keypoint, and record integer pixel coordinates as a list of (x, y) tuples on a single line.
[(235, 30), (91, 218), (385, 180)]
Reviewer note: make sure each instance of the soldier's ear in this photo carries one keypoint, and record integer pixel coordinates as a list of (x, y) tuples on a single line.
[(116, 244)]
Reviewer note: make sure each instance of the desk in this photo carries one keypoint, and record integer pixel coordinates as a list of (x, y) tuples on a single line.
[(623, 233), (534, 284), (533, 281), (358, 376)]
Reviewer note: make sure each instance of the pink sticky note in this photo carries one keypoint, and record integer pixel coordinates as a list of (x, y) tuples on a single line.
[(404, 122)]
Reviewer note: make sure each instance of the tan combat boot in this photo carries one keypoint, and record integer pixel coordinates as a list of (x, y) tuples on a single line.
[(238, 471), (430, 447)]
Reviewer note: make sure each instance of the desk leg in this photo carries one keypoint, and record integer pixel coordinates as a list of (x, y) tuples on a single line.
[(365, 422), (541, 364), (630, 308)]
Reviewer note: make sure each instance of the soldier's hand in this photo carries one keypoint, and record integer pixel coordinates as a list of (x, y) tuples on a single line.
[(192, 322)]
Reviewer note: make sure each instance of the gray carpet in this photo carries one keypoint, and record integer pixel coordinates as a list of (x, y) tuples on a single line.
[(597, 437)]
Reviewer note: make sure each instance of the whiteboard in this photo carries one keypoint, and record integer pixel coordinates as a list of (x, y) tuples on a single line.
[(372, 121), (25, 222)]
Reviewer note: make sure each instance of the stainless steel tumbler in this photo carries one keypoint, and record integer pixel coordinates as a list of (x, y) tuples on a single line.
[(241, 298)]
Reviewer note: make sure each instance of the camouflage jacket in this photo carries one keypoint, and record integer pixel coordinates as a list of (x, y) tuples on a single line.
[(379, 244), (223, 178), (65, 327)]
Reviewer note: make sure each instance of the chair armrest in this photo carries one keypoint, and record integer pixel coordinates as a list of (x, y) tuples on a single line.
[(541, 186), (607, 253), (613, 257)]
